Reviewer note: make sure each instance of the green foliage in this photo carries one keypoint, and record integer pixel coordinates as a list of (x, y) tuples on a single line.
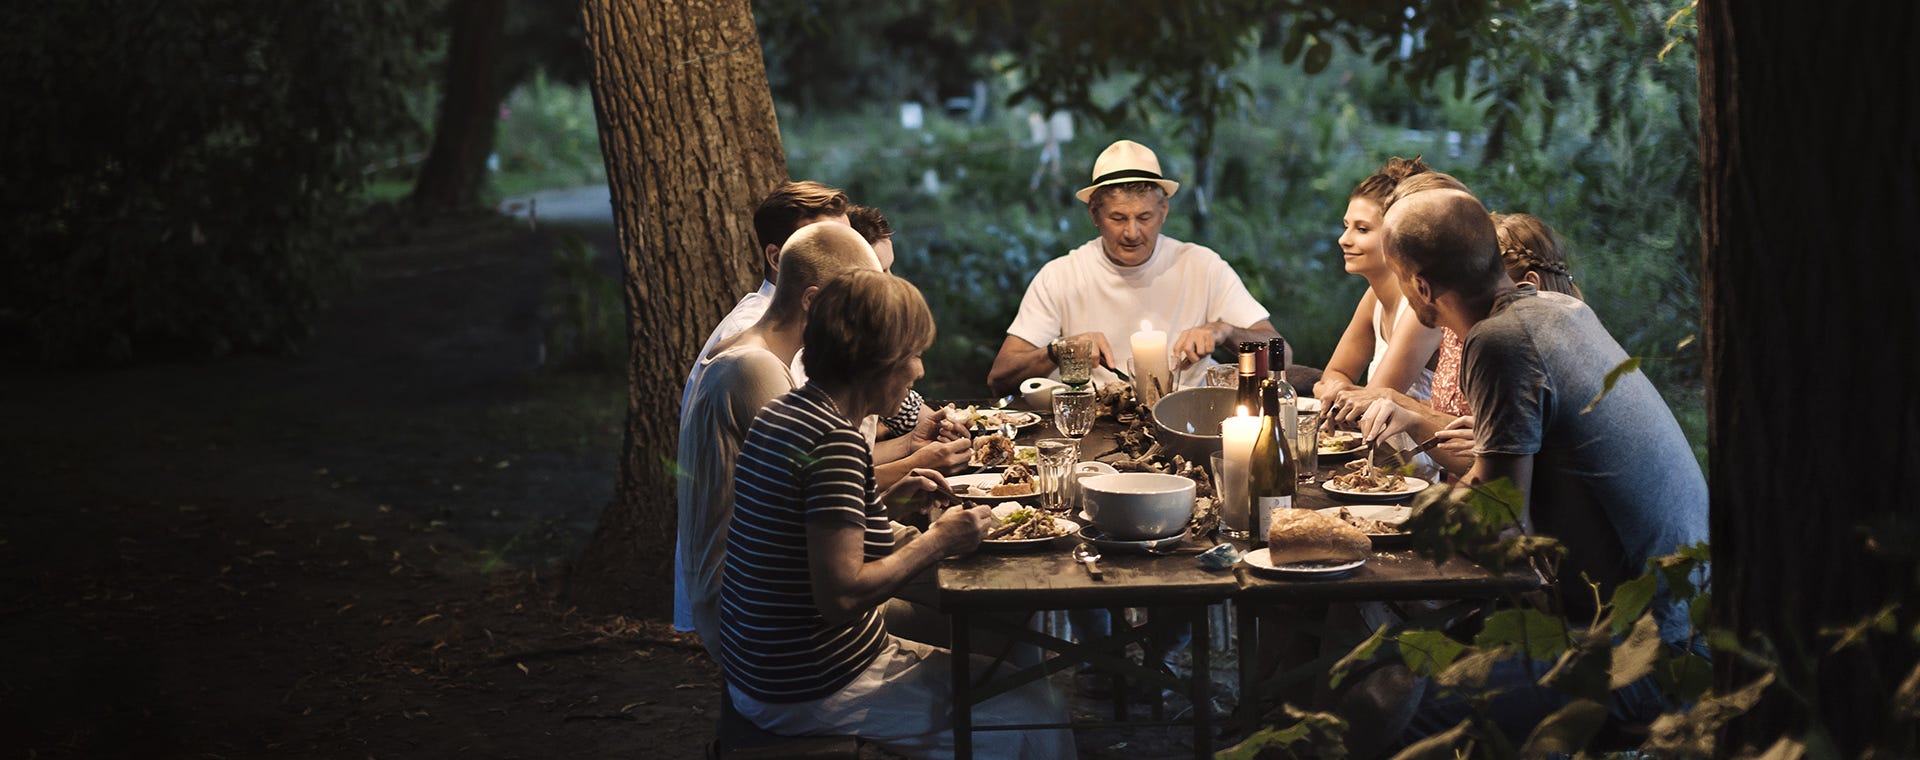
[(180, 173), (1312, 735), (548, 137)]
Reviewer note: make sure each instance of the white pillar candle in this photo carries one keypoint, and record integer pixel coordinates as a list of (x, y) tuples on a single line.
[(1237, 435), (1151, 375)]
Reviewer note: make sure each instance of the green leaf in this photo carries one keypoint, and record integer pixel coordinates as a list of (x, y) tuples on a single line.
[(1359, 654), (1583, 671), (1785, 748), (1686, 341), (1530, 632), (1428, 652), (1567, 730), (1439, 746), (1470, 672), (1634, 658), (1632, 364), (1685, 677), (1906, 699), (1879, 622), (1625, 16), (1630, 601)]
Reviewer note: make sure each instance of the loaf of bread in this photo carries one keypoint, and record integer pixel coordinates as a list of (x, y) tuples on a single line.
[(1303, 535)]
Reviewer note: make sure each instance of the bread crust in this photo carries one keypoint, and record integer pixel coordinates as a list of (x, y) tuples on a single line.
[(1303, 535)]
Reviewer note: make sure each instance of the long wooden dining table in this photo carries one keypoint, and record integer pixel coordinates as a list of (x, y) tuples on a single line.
[(992, 591)]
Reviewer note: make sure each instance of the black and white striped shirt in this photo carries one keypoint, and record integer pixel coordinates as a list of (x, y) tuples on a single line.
[(802, 459)]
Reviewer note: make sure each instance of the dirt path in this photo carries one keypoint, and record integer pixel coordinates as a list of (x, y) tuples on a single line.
[(347, 553)]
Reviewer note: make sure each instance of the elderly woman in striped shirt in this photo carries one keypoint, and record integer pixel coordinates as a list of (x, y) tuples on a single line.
[(810, 553)]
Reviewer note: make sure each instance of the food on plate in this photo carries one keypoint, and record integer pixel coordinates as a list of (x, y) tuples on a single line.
[(975, 418), (1025, 524), (1016, 481), (1339, 441), (992, 450), (1303, 535), (1367, 524), (1363, 477)]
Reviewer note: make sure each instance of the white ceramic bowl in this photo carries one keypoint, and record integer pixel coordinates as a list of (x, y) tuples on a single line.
[(1138, 506), (1187, 422)]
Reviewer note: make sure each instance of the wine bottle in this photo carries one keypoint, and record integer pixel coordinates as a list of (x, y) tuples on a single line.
[(1270, 475), (1289, 401), (1249, 377)]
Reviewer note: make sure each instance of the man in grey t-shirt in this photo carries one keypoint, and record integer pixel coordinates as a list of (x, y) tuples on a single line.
[(1617, 485)]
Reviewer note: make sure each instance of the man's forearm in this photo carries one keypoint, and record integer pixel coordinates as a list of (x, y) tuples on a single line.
[(1015, 364)]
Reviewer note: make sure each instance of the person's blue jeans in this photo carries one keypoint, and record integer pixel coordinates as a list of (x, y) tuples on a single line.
[(1093, 625), (1523, 702)]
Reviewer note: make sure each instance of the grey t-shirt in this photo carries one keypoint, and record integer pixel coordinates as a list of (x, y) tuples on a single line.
[(1618, 485)]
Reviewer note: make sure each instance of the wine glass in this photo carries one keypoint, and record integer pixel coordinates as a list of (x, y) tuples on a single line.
[(1073, 412)]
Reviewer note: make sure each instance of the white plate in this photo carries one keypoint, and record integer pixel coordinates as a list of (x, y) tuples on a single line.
[(1260, 562), (1027, 455), (1003, 510), (1345, 435), (1410, 487), (1108, 543), (1307, 404), (981, 482), (1021, 420), (1391, 514)]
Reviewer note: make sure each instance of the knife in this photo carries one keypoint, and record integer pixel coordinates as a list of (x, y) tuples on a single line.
[(1116, 373)]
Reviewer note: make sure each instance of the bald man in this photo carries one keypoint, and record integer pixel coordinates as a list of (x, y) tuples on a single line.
[(731, 382), (1617, 485)]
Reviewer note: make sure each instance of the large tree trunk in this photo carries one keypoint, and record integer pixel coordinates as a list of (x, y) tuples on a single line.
[(691, 143), (1809, 205), (463, 132)]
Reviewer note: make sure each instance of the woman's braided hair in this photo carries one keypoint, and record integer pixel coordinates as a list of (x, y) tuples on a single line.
[(1529, 245)]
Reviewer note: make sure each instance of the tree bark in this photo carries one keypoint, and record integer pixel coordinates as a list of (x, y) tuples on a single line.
[(463, 133), (1810, 189), (691, 143)]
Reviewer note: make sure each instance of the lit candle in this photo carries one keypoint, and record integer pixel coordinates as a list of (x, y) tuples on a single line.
[(1237, 435), (1151, 376)]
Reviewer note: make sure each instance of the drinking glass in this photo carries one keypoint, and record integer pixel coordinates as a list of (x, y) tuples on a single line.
[(1073, 411), (1307, 445), (1056, 461), (1076, 361), (1223, 376), (1230, 486)]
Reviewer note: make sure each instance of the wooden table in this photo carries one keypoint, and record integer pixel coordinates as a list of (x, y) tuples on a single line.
[(1048, 579)]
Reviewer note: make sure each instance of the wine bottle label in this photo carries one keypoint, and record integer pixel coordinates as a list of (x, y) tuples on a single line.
[(1270, 503), (1263, 514)]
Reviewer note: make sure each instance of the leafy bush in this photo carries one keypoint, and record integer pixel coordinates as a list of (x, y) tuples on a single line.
[(180, 174)]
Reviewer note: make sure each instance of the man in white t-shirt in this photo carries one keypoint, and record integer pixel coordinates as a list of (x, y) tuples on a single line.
[(1130, 276)]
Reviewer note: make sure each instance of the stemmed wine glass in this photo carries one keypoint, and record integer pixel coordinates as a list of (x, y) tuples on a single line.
[(1073, 412)]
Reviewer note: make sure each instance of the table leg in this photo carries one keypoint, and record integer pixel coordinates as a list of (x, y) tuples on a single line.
[(1248, 638), (1201, 689), (962, 687)]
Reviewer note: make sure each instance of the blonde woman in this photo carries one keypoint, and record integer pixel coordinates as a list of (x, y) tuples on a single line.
[(1383, 342)]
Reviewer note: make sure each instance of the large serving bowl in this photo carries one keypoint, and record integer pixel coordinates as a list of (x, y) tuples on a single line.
[(1188, 421), (1138, 506)]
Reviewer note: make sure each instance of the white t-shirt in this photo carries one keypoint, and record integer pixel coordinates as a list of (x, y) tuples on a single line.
[(726, 392), (749, 310), (1180, 286), (1422, 386)]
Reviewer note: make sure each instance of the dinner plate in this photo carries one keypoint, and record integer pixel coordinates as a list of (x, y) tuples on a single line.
[(1407, 489), (1021, 420), (1307, 404), (1109, 543), (979, 483), (1003, 510), (1393, 514), (1027, 455), (1260, 562), (1344, 435)]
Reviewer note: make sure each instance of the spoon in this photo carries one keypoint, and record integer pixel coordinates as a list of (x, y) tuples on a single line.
[(1087, 555)]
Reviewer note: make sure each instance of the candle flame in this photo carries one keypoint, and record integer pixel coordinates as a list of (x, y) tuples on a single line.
[(1146, 326), (1242, 410)]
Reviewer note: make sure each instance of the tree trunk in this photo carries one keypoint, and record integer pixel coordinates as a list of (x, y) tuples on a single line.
[(1808, 207), (463, 132), (691, 144)]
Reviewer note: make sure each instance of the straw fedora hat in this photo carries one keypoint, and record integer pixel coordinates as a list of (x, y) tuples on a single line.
[(1126, 161)]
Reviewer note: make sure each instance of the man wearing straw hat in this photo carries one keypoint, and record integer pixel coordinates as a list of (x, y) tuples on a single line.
[(1130, 275)]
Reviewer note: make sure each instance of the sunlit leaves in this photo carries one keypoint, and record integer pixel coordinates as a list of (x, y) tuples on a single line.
[(1881, 621), (1635, 657), (1322, 735), (1536, 634), (1692, 733), (1632, 364), (1360, 654), (1566, 730), (1630, 600)]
